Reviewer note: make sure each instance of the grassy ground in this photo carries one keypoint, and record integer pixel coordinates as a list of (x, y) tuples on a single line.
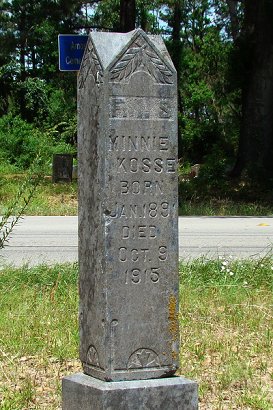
[(226, 333), (224, 207), (49, 198)]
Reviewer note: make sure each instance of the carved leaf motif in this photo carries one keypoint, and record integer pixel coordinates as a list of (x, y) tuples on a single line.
[(92, 357), (126, 65), (141, 54), (90, 65), (143, 358)]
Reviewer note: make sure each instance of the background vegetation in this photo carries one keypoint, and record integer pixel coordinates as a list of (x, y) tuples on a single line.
[(223, 53)]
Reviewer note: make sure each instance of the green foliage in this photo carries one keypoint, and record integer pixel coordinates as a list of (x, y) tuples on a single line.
[(19, 141), (107, 15), (207, 120), (211, 48), (32, 100)]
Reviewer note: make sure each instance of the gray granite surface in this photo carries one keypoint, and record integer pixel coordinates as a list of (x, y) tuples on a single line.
[(128, 225), (82, 392)]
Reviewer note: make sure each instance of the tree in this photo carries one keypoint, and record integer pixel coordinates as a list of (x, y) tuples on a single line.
[(255, 45), (127, 15)]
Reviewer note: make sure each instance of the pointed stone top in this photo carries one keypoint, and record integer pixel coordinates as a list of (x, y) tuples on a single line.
[(109, 45)]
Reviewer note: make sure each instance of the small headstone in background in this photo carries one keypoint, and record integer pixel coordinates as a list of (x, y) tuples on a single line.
[(62, 168)]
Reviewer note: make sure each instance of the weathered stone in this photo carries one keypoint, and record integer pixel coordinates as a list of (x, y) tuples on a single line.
[(62, 168), (82, 392), (128, 234)]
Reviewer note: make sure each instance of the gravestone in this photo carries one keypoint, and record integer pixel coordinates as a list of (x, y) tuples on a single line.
[(62, 168), (128, 228)]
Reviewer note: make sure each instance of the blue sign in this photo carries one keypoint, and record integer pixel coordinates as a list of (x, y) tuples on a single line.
[(71, 49)]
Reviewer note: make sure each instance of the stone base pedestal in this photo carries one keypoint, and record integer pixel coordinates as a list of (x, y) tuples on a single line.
[(82, 392)]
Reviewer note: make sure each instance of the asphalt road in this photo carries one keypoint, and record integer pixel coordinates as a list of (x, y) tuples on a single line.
[(54, 239)]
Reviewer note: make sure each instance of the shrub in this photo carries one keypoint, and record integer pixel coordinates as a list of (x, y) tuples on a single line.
[(19, 141)]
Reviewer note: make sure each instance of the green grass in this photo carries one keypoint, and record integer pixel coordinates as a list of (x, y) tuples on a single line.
[(226, 333), (213, 194), (224, 207), (49, 199), (38, 334)]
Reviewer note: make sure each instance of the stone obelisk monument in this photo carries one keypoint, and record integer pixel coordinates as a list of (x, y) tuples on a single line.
[(128, 228)]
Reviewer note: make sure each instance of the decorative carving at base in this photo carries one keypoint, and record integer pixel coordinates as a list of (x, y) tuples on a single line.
[(142, 359), (92, 357)]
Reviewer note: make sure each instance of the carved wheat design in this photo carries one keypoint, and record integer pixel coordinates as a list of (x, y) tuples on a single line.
[(90, 65), (140, 54)]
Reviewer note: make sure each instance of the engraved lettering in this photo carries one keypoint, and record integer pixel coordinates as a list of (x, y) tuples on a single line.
[(141, 187), (122, 212), (137, 276), (158, 188), (140, 108), (146, 165), (113, 143), (154, 275), (133, 164), (135, 143), (165, 109), (125, 232), (153, 210), (118, 107), (124, 187), (145, 254), (165, 209), (163, 143), (138, 232), (170, 165), (135, 187), (122, 254), (133, 255), (158, 165), (121, 164), (147, 186), (142, 211), (142, 231), (147, 143), (162, 250)]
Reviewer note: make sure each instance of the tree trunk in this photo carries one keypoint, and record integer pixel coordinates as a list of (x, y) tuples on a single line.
[(127, 15), (232, 8), (176, 54), (255, 153)]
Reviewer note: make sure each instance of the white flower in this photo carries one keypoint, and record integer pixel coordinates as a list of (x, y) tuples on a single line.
[(231, 273)]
